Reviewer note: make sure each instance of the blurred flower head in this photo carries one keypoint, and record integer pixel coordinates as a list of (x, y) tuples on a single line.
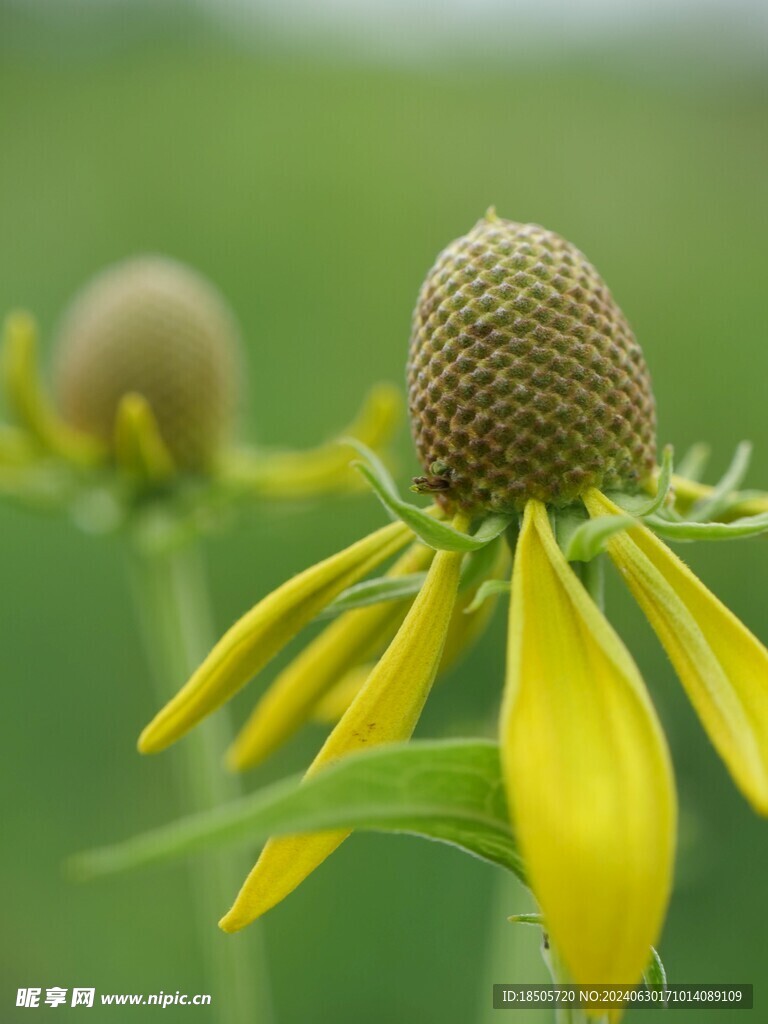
[(147, 377), (151, 326)]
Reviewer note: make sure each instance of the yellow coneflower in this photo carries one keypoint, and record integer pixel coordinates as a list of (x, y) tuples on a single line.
[(533, 416)]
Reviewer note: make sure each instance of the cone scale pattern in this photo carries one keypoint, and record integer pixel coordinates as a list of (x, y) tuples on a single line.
[(524, 377)]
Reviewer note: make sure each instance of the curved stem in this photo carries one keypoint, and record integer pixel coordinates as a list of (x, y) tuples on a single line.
[(171, 594)]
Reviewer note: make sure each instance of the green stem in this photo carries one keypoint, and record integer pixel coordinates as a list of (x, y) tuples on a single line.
[(172, 599), (511, 955)]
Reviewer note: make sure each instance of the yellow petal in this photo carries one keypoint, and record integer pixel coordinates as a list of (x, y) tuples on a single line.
[(722, 666), (323, 469), (333, 704), (586, 768), (688, 492), (28, 402), (353, 637), (264, 630), (139, 448), (464, 630), (385, 711), (15, 446)]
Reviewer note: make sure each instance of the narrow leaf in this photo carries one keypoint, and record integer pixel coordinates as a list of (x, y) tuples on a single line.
[(450, 791), (490, 588), (375, 591)]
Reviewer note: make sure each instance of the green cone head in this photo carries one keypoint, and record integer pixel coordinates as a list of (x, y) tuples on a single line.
[(524, 377), (152, 326)]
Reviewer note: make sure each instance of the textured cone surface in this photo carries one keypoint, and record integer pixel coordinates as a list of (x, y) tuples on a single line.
[(525, 380), (155, 327)]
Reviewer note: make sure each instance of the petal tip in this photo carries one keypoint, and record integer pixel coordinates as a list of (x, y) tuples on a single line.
[(238, 917), (149, 742), (234, 761)]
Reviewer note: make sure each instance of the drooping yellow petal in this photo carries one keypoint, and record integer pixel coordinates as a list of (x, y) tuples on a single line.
[(15, 447), (28, 402), (299, 474), (688, 492), (333, 704), (139, 447), (353, 637), (264, 630), (464, 629), (385, 711), (722, 666), (586, 768)]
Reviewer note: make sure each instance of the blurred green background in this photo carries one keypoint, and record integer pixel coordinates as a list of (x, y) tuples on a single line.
[(314, 183)]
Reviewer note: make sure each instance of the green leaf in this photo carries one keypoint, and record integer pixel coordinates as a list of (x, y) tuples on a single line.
[(711, 507), (375, 591), (451, 791), (490, 588), (535, 919), (436, 534), (655, 976), (588, 540), (750, 526)]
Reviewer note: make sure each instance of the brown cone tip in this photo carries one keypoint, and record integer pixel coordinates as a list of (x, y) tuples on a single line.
[(155, 327), (524, 377)]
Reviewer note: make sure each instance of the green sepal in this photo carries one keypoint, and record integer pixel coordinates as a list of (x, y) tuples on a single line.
[(490, 588), (375, 591), (451, 791), (722, 493), (478, 564), (588, 540), (694, 462), (535, 919), (436, 534), (637, 504), (750, 526)]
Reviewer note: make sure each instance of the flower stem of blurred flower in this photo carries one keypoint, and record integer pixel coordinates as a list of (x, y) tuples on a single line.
[(511, 956), (171, 592)]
